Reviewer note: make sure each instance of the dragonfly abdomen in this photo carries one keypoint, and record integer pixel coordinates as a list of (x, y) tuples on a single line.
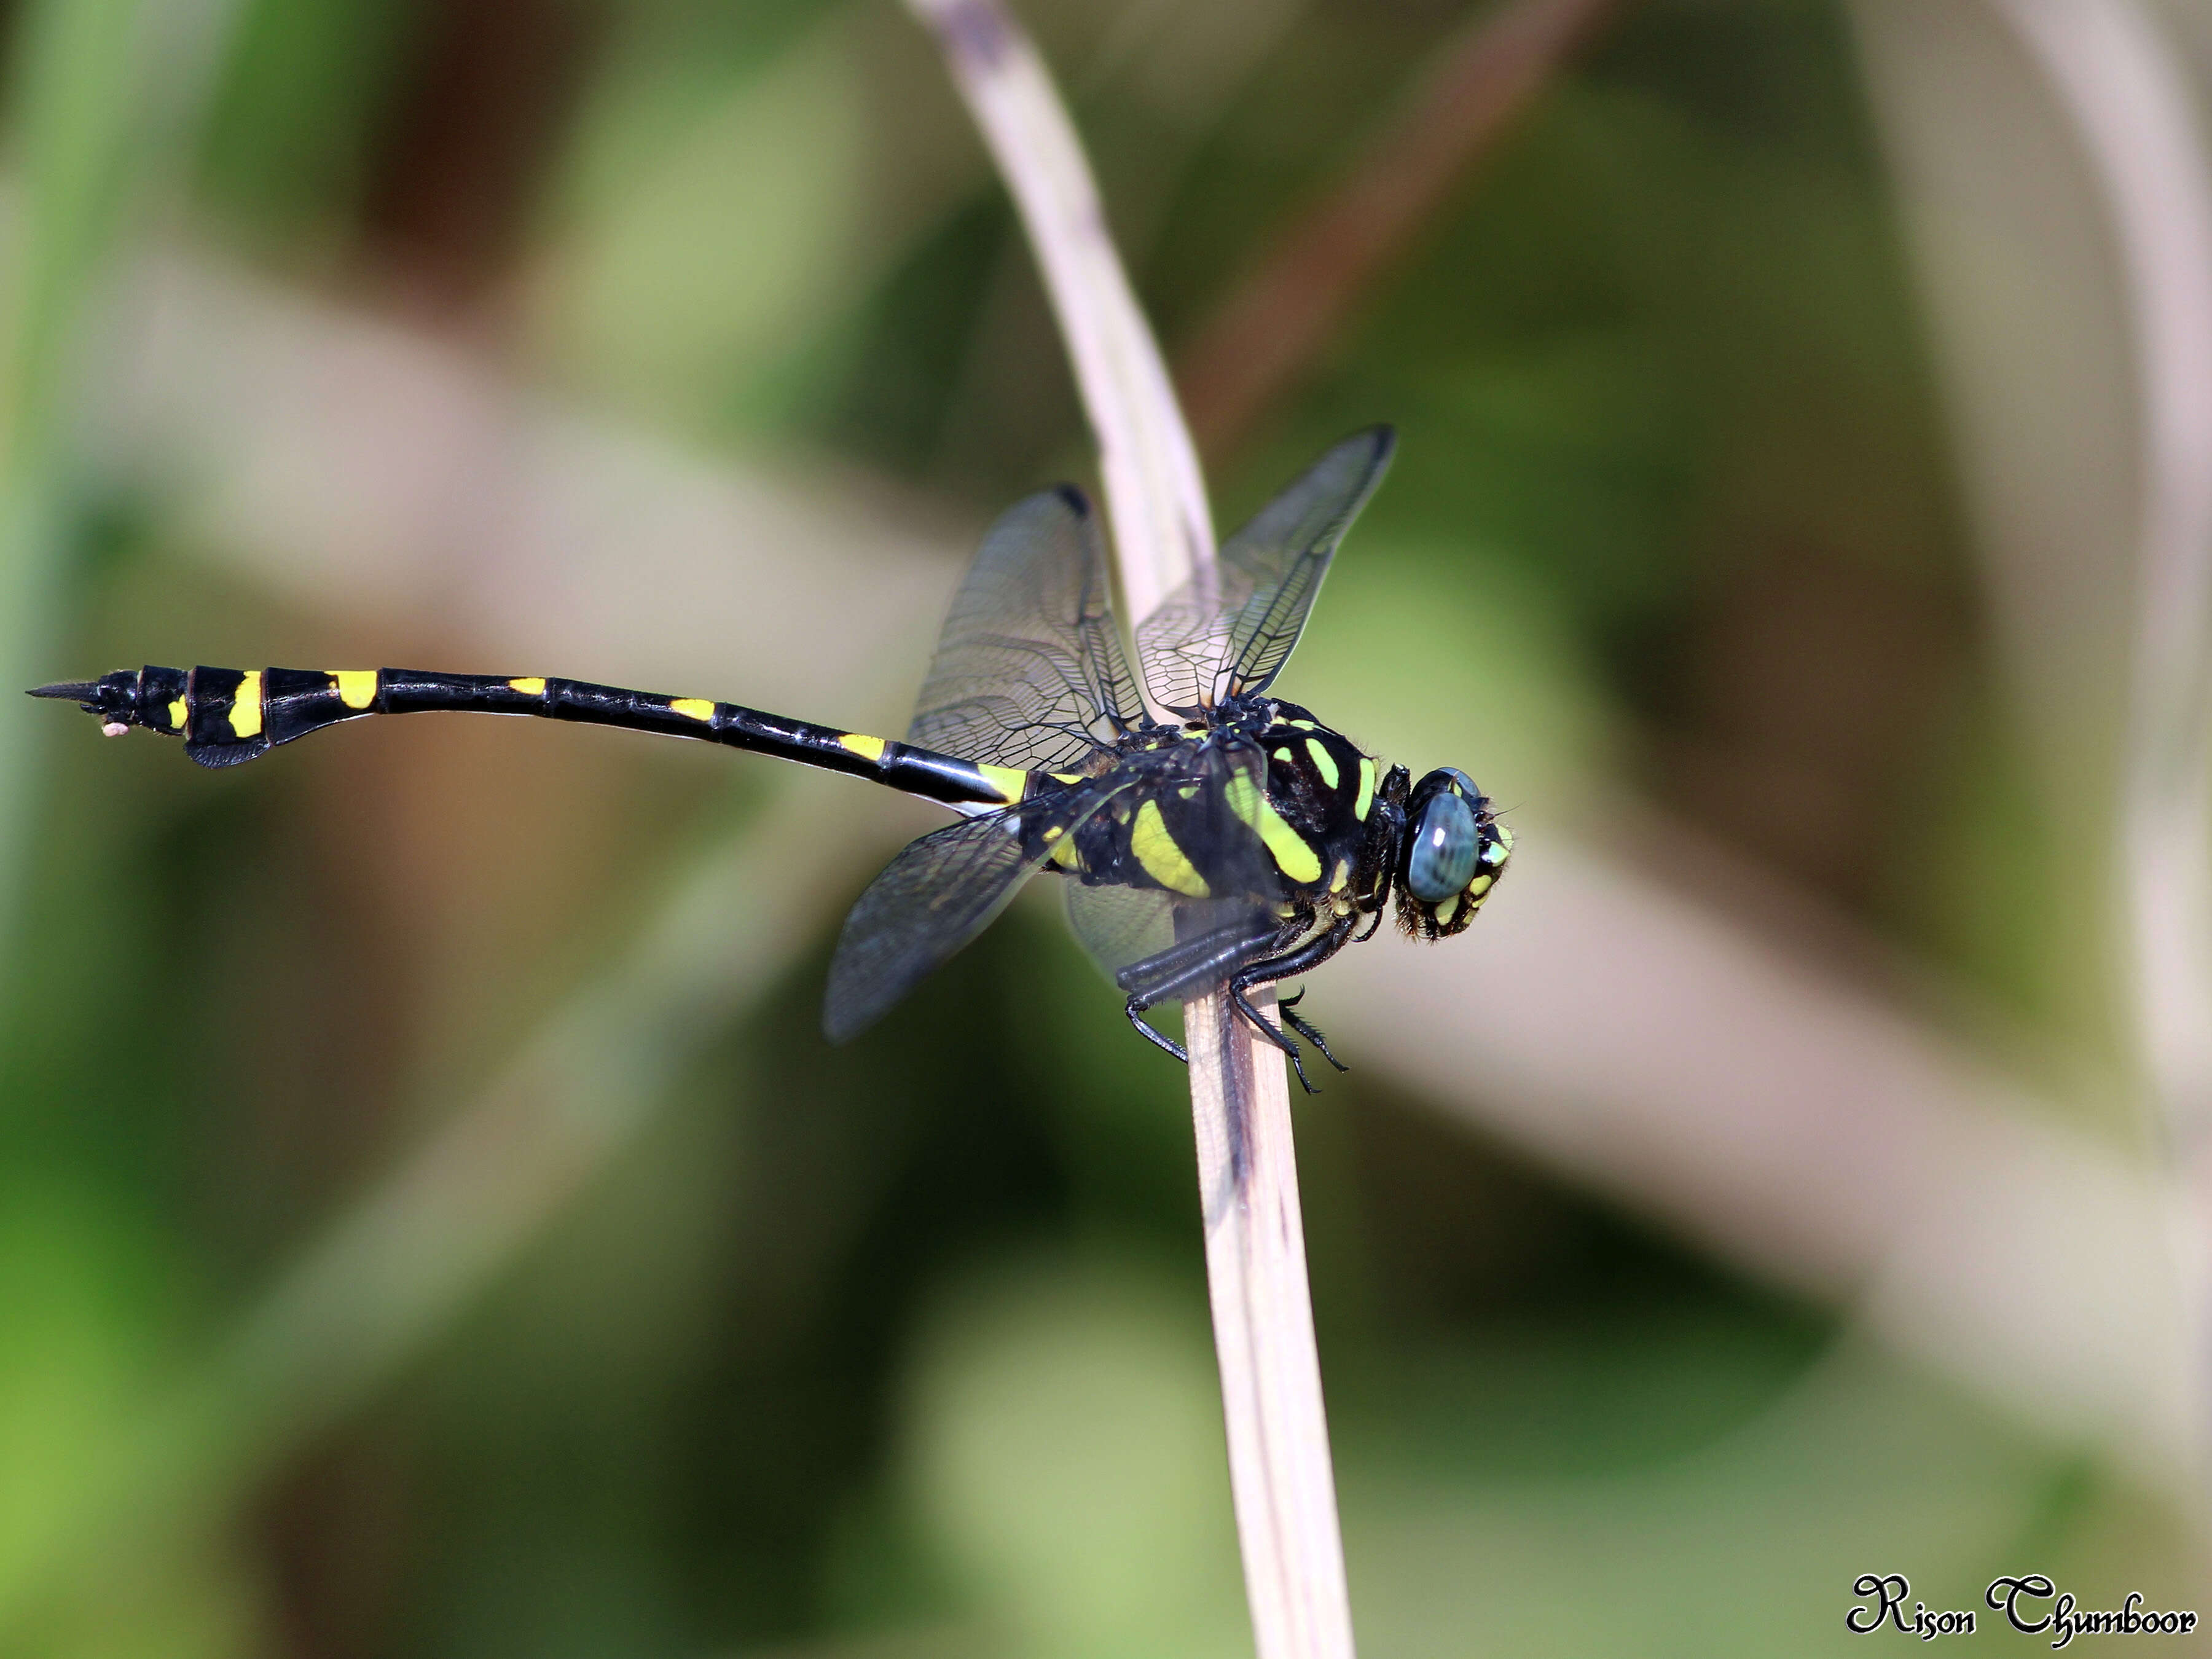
[(228, 715)]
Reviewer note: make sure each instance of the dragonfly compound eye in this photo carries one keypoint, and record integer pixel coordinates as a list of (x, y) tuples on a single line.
[(1446, 842)]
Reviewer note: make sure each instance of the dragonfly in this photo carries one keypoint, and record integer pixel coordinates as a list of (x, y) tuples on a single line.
[(1228, 840)]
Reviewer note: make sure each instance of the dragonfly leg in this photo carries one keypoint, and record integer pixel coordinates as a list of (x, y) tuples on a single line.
[(1307, 1029), (1267, 969), (1274, 1033), (1135, 1009), (1247, 959), (1205, 960), (1188, 967)]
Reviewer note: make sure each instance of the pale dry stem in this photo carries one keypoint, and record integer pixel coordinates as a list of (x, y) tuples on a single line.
[(1279, 1473)]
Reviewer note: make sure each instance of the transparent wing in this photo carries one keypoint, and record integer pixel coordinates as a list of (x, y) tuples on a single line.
[(1028, 671), (939, 893), (1118, 925), (1229, 629)]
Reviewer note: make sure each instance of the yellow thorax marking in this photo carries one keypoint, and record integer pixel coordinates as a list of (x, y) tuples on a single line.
[(1008, 781), (1165, 861), (1342, 878), (1065, 852), (177, 713), (356, 687), (692, 709), (868, 749), (531, 687), (1294, 856), (1479, 886), (1284, 756), (246, 705), (1447, 910), (1366, 788), (1324, 763)]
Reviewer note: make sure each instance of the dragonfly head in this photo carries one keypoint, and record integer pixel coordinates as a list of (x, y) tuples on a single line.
[(1454, 852)]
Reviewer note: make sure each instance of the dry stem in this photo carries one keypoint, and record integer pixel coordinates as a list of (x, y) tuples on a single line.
[(1278, 1435)]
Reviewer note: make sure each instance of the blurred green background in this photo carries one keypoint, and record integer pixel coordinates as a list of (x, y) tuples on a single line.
[(430, 1222)]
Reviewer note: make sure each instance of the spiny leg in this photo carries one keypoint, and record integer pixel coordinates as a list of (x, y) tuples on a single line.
[(1307, 1029), (1135, 1009), (1381, 901), (1184, 968), (1267, 971), (1274, 1033), (1204, 960)]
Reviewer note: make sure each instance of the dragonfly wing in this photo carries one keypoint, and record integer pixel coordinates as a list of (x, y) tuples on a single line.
[(1028, 671), (1118, 925), (939, 893), (1285, 551), (1229, 629)]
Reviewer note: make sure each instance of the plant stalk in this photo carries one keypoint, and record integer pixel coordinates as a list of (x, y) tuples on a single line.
[(1278, 1463)]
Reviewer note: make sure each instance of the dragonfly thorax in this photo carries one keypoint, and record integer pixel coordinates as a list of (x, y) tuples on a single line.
[(1255, 801)]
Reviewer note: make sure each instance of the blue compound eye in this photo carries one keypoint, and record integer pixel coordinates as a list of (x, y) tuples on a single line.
[(1446, 842)]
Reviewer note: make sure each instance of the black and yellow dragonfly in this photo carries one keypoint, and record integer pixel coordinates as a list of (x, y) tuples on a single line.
[(1240, 844)]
